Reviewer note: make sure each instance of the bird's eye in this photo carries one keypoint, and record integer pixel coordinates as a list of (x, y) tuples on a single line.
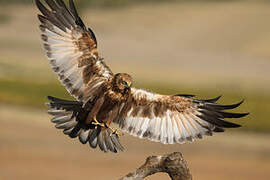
[(125, 83)]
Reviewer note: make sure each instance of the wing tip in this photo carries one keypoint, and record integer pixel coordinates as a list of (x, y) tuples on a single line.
[(185, 95), (213, 100)]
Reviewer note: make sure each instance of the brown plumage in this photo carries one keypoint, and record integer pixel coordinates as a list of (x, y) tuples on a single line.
[(103, 97)]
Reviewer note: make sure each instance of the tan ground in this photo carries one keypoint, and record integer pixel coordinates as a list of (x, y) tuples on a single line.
[(31, 148)]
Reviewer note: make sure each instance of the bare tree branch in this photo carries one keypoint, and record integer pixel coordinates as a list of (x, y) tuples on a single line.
[(173, 164)]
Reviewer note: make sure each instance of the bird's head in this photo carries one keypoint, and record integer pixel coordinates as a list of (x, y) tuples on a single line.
[(122, 82)]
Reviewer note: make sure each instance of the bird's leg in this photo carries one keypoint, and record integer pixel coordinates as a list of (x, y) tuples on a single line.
[(96, 123), (115, 131)]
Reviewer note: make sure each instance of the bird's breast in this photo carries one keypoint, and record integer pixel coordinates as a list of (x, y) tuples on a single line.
[(110, 107)]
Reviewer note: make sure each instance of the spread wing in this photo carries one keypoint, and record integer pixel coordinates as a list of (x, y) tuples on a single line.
[(72, 49), (173, 119)]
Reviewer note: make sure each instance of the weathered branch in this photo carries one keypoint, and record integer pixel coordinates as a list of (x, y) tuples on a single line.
[(173, 164)]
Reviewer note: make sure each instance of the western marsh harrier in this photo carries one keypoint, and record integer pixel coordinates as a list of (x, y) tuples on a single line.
[(103, 97)]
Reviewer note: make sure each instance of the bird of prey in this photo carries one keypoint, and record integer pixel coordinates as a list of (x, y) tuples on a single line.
[(103, 98)]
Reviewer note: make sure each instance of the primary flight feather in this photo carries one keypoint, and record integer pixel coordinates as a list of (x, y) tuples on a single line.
[(103, 97)]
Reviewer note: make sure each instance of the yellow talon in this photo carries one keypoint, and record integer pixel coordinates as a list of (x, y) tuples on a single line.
[(115, 131), (96, 123)]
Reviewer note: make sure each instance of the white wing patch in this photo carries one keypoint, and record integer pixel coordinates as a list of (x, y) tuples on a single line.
[(63, 57), (165, 130), (171, 127), (140, 94), (71, 48)]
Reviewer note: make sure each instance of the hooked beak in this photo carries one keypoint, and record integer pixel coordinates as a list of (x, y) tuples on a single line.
[(127, 88)]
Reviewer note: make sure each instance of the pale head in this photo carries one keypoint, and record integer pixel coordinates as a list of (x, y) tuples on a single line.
[(122, 82)]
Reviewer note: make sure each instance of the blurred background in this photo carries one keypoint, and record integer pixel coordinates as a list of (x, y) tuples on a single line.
[(201, 47)]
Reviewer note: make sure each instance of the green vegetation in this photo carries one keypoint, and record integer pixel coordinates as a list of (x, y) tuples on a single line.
[(29, 93), (4, 18), (34, 94)]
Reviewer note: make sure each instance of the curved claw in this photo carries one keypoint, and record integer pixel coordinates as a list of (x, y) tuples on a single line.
[(96, 123), (115, 131)]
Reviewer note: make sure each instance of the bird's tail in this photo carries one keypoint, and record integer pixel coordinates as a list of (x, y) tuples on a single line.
[(71, 116)]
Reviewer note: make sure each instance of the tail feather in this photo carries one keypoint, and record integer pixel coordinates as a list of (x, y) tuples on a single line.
[(108, 142), (70, 116), (66, 125), (93, 137), (116, 142), (67, 131), (75, 131), (105, 139), (61, 119), (84, 136), (101, 142)]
